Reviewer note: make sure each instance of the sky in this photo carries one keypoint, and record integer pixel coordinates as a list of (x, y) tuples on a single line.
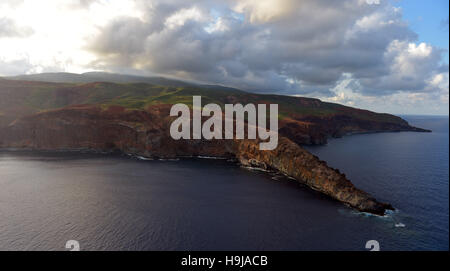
[(382, 55), (430, 22)]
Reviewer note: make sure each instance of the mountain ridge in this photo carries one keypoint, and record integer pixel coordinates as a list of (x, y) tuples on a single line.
[(96, 77)]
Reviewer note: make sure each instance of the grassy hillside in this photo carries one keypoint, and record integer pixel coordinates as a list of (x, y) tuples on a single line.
[(39, 96)]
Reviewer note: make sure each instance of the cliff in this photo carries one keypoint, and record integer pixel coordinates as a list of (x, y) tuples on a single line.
[(146, 133)]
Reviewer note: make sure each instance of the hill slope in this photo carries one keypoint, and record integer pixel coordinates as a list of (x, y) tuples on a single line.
[(303, 120)]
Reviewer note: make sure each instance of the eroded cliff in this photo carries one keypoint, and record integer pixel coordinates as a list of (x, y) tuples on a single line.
[(146, 133)]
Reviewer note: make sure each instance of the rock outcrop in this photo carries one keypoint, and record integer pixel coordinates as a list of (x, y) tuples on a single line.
[(294, 161)]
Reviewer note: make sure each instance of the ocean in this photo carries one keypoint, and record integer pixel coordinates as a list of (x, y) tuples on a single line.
[(113, 202)]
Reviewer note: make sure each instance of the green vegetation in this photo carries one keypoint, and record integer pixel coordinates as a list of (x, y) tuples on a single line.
[(39, 96)]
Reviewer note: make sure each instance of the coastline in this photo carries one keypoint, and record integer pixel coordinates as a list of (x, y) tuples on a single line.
[(330, 182)]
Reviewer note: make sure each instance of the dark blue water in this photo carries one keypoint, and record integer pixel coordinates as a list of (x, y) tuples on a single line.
[(409, 170), (118, 203)]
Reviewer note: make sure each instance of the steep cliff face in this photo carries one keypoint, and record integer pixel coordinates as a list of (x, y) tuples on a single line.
[(91, 127), (146, 133), (315, 130)]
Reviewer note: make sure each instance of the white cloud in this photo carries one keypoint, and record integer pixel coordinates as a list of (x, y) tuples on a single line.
[(180, 17), (57, 32), (265, 11), (219, 25), (373, 2), (409, 67), (9, 29)]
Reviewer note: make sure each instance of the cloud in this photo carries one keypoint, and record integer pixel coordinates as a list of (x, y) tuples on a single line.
[(14, 67), (347, 51), (49, 35), (265, 11), (408, 68), (311, 43), (8, 28)]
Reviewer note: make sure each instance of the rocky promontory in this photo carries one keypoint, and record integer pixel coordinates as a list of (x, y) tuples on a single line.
[(146, 133)]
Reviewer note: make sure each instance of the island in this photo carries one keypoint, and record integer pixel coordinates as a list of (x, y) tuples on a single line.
[(132, 116)]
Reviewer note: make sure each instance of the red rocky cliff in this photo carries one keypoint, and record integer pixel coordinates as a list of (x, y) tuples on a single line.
[(146, 133)]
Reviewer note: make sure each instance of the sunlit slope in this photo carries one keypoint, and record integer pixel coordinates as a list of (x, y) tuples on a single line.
[(303, 120), (38, 96)]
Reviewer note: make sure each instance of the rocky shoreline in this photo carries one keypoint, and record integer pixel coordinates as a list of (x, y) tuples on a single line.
[(146, 134)]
